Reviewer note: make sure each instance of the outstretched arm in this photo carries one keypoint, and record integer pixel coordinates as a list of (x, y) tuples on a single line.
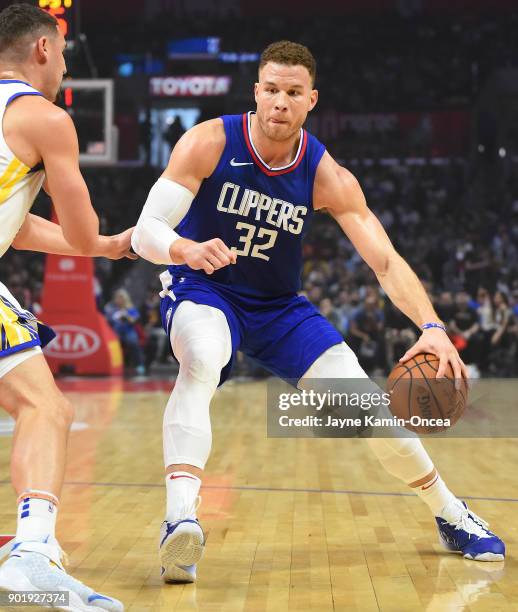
[(53, 140), (193, 159), (338, 191), (39, 234)]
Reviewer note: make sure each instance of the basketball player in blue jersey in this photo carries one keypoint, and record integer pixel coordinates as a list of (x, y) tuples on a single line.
[(38, 145), (241, 191)]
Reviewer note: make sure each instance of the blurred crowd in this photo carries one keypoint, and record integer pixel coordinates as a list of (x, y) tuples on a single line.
[(465, 252), (400, 61), (453, 217), (399, 65)]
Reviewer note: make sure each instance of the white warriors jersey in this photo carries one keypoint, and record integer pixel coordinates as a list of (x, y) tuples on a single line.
[(19, 184)]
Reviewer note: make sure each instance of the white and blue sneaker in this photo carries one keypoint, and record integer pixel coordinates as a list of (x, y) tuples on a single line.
[(37, 566), (461, 530), (181, 547)]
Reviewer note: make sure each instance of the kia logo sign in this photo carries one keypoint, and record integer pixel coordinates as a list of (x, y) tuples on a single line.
[(73, 342), (190, 86), (66, 265)]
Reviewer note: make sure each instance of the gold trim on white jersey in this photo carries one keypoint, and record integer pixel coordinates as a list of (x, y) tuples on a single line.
[(18, 185)]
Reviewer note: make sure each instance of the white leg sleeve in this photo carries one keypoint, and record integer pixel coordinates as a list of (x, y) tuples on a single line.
[(201, 341), (403, 457), (339, 361)]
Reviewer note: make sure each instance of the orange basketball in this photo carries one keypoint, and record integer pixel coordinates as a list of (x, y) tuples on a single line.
[(427, 404)]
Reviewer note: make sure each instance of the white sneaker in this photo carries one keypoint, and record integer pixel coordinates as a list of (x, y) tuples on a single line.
[(181, 546), (34, 566)]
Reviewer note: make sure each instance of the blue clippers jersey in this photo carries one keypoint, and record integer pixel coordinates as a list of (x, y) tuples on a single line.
[(260, 212)]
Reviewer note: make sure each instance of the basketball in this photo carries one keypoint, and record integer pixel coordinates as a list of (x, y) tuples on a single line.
[(428, 405)]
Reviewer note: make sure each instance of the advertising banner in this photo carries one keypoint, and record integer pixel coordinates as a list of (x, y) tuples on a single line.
[(189, 86), (85, 343)]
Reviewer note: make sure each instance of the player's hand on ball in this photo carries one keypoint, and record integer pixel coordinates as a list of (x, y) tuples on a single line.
[(117, 246), (436, 341), (208, 256)]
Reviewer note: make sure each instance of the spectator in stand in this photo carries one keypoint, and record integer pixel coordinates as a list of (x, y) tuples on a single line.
[(347, 304), (445, 306), (315, 293), (477, 264), (503, 248), (123, 317), (399, 333), (152, 322), (367, 336), (328, 311), (484, 308), (503, 346), (513, 330), (502, 318), (515, 303), (464, 326)]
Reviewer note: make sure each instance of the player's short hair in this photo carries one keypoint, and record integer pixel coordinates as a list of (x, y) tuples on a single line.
[(20, 24), (290, 54)]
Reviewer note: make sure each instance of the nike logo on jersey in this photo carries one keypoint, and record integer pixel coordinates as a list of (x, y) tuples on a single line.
[(233, 162)]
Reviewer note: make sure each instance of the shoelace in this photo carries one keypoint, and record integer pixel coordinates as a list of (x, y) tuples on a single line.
[(472, 524), (191, 510)]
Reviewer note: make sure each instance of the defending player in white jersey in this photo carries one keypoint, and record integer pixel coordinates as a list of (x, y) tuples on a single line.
[(38, 144), (235, 186)]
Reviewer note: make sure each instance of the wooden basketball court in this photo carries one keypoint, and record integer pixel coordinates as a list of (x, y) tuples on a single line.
[(295, 524)]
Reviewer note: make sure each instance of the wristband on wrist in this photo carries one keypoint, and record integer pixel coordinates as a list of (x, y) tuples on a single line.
[(432, 325)]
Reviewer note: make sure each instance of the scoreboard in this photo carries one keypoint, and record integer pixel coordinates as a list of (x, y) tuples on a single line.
[(66, 12)]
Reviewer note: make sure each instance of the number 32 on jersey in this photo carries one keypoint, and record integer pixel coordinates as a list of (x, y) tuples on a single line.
[(266, 236)]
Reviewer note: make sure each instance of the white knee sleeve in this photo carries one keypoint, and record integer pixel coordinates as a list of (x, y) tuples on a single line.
[(402, 455), (337, 370), (339, 361), (201, 341)]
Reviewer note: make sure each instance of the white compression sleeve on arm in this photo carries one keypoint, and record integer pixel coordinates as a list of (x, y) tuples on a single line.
[(167, 204)]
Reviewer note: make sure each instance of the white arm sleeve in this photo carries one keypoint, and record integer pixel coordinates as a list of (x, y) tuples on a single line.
[(167, 204)]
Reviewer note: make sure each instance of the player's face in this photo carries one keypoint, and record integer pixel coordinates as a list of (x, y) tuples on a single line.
[(55, 67), (284, 97)]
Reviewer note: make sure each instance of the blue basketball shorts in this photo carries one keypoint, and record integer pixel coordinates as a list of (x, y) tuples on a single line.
[(284, 335)]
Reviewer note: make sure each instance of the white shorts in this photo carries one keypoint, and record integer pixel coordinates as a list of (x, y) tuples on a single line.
[(11, 361), (19, 332)]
